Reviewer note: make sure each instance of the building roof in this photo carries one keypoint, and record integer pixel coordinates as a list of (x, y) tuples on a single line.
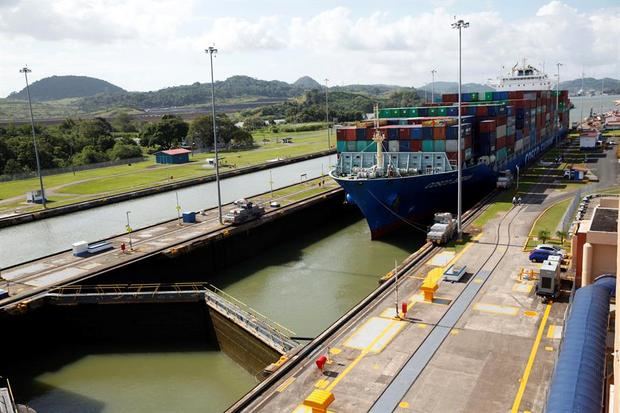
[(605, 220), (178, 151)]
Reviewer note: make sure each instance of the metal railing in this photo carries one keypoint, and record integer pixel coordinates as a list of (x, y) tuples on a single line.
[(127, 290), (268, 331), (11, 407)]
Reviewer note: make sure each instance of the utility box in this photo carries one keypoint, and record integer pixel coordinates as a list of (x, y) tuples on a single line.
[(80, 248), (189, 217), (34, 197), (549, 280)]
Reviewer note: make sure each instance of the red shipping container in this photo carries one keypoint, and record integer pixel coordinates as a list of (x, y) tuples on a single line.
[(439, 133), (454, 156), (349, 134), (468, 141), (340, 134), (482, 111), (500, 142), (515, 94), (450, 97), (500, 120), (404, 134), (488, 126), (415, 146), (370, 133)]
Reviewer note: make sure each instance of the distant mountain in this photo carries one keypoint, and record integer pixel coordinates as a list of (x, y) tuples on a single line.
[(611, 86), (307, 83), (452, 87), (234, 87), (61, 87)]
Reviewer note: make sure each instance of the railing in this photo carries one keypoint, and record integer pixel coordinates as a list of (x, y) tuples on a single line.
[(76, 293), (268, 331), (11, 407)]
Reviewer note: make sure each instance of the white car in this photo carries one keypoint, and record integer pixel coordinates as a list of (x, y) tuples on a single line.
[(552, 248)]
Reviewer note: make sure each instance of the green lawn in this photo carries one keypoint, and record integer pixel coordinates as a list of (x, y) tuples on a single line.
[(501, 204), (113, 180), (548, 221)]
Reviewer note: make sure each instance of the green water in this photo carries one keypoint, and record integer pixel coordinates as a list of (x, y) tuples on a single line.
[(304, 283)]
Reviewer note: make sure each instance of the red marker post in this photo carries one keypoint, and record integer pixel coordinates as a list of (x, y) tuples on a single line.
[(320, 362)]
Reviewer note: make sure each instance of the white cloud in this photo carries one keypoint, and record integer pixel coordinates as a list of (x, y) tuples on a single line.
[(240, 34)]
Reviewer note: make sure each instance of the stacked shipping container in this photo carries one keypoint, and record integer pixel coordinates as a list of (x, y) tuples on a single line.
[(493, 124)]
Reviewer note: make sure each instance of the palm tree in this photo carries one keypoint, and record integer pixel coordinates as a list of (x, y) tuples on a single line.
[(543, 235), (561, 235)]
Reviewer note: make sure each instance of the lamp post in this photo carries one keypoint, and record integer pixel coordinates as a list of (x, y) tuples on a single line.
[(459, 25), (433, 85), (25, 71), (327, 113), (557, 103), (211, 51), (128, 228)]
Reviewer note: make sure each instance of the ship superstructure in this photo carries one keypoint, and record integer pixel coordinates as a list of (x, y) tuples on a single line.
[(523, 77)]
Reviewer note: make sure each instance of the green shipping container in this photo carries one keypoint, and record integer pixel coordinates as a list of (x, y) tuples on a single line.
[(501, 154), (412, 113), (432, 112), (427, 146), (488, 96), (439, 146), (384, 113), (361, 145), (341, 146), (351, 146), (443, 111), (372, 146)]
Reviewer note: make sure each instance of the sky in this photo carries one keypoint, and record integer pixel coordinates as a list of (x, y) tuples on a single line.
[(143, 45)]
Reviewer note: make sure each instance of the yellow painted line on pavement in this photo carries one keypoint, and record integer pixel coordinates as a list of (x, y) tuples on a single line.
[(551, 331), (530, 361), (496, 309), (363, 353), (284, 385)]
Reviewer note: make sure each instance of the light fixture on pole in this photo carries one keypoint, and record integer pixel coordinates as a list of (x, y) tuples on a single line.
[(129, 230), (459, 25), (433, 85), (327, 113), (25, 71), (211, 51), (557, 103)]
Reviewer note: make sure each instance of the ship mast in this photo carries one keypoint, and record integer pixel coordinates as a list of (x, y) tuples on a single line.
[(378, 138)]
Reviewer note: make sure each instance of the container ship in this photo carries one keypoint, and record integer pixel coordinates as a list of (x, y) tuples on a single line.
[(401, 167)]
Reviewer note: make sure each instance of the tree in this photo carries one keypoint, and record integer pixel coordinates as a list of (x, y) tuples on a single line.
[(561, 235), (169, 132), (543, 235), (201, 132), (88, 155), (123, 122), (97, 133), (252, 123), (125, 151)]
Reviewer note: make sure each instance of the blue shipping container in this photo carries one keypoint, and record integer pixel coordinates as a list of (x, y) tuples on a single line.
[(453, 111), (392, 134), (360, 134), (427, 132), (416, 133), (422, 112), (404, 146), (341, 146), (453, 132), (439, 146)]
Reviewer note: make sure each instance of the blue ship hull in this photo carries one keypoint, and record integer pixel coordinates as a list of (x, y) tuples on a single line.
[(390, 203)]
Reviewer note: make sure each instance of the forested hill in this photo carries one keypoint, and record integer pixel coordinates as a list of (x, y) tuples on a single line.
[(200, 93), (61, 87), (590, 84)]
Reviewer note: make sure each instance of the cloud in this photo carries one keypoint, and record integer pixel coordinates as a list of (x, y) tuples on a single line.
[(95, 21), (237, 34)]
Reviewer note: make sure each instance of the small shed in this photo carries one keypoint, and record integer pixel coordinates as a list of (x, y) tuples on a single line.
[(173, 156)]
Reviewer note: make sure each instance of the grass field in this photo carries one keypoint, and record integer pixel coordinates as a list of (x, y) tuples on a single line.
[(66, 188), (548, 221)]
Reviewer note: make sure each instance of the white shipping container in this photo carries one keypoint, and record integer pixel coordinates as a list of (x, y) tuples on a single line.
[(393, 146), (452, 145), (501, 131), (519, 145)]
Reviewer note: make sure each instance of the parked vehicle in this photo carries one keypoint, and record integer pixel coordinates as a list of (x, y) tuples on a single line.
[(443, 229), (504, 180), (246, 211), (541, 255), (552, 248)]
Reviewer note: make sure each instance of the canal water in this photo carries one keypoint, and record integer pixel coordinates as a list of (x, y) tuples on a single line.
[(304, 283), (39, 238), (598, 104)]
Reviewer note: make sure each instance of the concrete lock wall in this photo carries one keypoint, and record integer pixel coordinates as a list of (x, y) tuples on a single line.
[(248, 351)]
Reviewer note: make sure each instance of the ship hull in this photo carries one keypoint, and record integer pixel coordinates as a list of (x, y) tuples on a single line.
[(392, 203)]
